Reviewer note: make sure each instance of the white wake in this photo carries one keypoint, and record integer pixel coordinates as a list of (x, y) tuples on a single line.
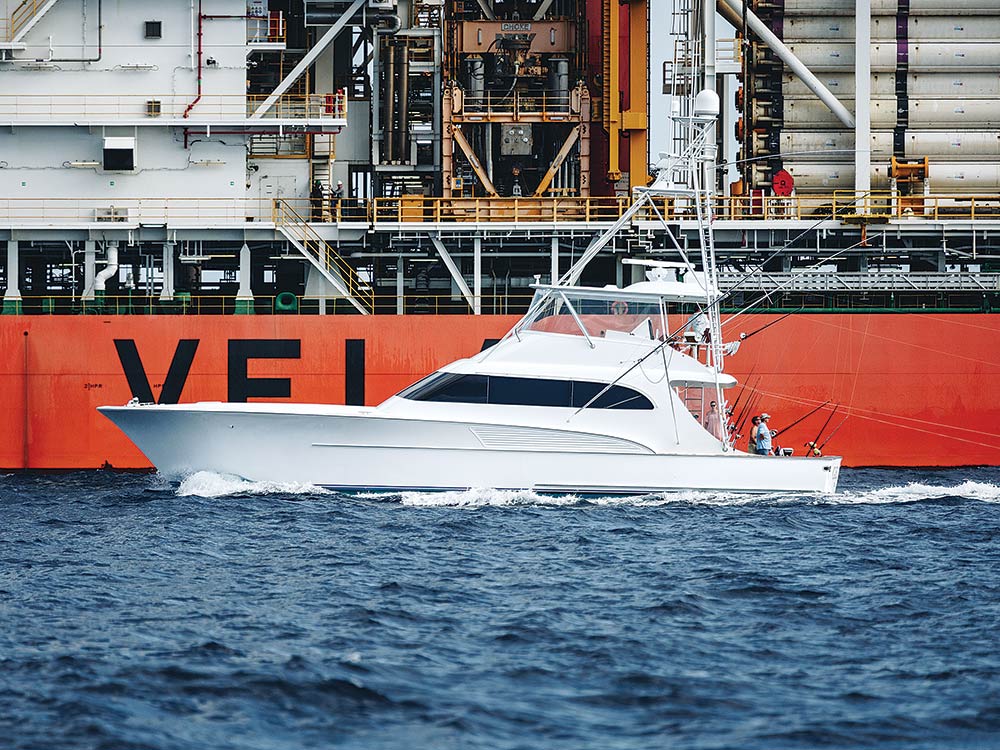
[(909, 493), (210, 484)]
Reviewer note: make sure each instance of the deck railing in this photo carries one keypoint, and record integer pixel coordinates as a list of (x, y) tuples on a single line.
[(416, 210)]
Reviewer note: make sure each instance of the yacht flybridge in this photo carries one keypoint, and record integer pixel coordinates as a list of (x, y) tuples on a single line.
[(594, 390)]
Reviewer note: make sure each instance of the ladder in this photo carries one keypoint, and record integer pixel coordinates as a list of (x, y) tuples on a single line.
[(324, 257)]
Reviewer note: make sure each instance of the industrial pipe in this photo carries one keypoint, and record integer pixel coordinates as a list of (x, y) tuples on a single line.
[(100, 41), (201, 31), (403, 132), (733, 11), (388, 134), (109, 270)]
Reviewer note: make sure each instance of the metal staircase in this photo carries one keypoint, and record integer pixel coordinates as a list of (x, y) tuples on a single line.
[(324, 257), (24, 17)]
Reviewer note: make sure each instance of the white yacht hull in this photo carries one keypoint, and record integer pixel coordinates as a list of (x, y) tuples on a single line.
[(357, 450)]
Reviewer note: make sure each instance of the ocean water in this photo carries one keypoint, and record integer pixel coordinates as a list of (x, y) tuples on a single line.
[(223, 614)]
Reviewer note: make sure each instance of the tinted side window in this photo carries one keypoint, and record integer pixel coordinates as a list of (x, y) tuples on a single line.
[(529, 392), (463, 389), (616, 397)]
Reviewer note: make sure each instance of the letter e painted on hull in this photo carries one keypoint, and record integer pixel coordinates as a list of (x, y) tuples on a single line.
[(241, 387)]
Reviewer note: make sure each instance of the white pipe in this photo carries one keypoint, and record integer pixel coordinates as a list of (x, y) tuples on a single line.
[(109, 270), (731, 7), (863, 90)]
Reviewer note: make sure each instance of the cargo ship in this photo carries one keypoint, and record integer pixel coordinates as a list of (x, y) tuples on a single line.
[(325, 201)]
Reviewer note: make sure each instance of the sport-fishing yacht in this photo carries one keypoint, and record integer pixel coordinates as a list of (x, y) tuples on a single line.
[(594, 390), (590, 392)]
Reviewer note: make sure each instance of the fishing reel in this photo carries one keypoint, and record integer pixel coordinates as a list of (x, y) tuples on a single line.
[(814, 450)]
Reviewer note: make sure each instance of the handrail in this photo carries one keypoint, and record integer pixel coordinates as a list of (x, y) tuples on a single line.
[(422, 210), (286, 216)]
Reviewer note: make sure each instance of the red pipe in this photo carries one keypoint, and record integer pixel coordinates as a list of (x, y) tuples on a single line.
[(201, 28)]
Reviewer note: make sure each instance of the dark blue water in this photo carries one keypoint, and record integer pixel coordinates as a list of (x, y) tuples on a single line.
[(134, 614)]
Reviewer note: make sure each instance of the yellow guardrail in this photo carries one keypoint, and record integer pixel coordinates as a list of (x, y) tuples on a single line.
[(416, 209)]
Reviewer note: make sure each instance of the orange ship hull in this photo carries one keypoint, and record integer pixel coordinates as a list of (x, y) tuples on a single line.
[(916, 389)]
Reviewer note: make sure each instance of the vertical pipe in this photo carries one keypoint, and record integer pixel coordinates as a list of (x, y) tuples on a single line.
[(12, 296), (477, 275), (390, 102), (863, 89), (554, 268), (89, 268), (400, 307), (710, 83), (403, 133), (167, 293)]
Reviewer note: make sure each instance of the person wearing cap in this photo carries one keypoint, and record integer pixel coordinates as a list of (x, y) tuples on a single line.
[(764, 435)]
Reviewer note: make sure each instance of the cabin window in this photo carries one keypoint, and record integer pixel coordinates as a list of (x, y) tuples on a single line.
[(449, 386), (616, 397), (509, 391), (529, 392)]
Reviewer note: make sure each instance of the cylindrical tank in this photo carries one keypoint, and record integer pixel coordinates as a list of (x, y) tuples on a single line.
[(964, 177), (475, 76), (964, 56), (931, 114), (825, 177), (951, 146), (809, 114), (954, 85), (952, 7), (557, 81), (935, 28), (819, 56), (841, 84), (827, 28), (831, 145), (837, 7)]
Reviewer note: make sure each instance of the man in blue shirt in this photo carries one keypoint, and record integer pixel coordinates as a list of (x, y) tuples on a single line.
[(764, 435)]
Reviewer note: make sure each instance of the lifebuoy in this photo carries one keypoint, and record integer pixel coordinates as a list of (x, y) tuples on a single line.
[(619, 307)]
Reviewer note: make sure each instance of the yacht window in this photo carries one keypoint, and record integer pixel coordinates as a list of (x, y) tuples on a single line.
[(616, 397), (449, 386), (509, 391), (529, 392)]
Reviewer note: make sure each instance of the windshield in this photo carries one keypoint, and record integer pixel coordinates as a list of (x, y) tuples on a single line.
[(597, 316)]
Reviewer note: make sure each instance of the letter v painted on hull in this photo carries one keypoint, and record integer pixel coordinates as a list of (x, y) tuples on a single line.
[(138, 381)]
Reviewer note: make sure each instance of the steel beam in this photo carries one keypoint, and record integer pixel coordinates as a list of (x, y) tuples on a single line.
[(733, 11), (454, 270), (571, 139), (459, 137), (325, 41), (862, 97)]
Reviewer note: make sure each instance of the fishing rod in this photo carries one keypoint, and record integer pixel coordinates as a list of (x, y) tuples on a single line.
[(736, 403), (833, 433), (813, 444), (808, 414), (745, 336), (746, 411)]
